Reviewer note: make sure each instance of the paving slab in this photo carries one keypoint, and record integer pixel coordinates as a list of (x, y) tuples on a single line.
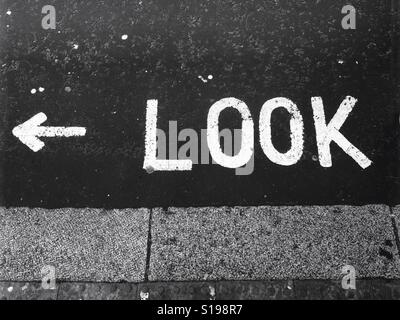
[(255, 290), (26, 291), (97, 291), (322, 290), (268, 243), (205, 290), (372, 289), (308, 290), (396, 216), (81, 244), (376, 289)]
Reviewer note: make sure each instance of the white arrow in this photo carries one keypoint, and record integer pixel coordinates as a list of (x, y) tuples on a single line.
[(29, 131)]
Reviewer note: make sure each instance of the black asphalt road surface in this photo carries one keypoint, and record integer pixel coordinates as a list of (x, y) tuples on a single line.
[(254, 50)]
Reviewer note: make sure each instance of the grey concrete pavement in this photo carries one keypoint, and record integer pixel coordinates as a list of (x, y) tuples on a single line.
[(82, 244), (198, 244), (272, 243)]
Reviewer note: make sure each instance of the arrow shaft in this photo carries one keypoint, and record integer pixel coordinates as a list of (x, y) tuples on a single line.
[(30, 131), (60, 131)]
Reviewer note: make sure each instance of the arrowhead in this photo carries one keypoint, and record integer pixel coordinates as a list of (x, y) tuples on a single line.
[(26, 132)]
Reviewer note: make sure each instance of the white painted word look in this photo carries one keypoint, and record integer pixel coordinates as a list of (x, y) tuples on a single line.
[(325, 134)]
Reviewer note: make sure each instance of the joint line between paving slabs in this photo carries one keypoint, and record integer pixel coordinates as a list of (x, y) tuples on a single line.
[(395, 230), (146, 272)]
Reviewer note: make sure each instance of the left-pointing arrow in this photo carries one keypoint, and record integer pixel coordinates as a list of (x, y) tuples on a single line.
[(29, 131)]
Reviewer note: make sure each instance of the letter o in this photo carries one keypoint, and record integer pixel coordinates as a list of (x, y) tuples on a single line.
[(296, 132), (247, 146)]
